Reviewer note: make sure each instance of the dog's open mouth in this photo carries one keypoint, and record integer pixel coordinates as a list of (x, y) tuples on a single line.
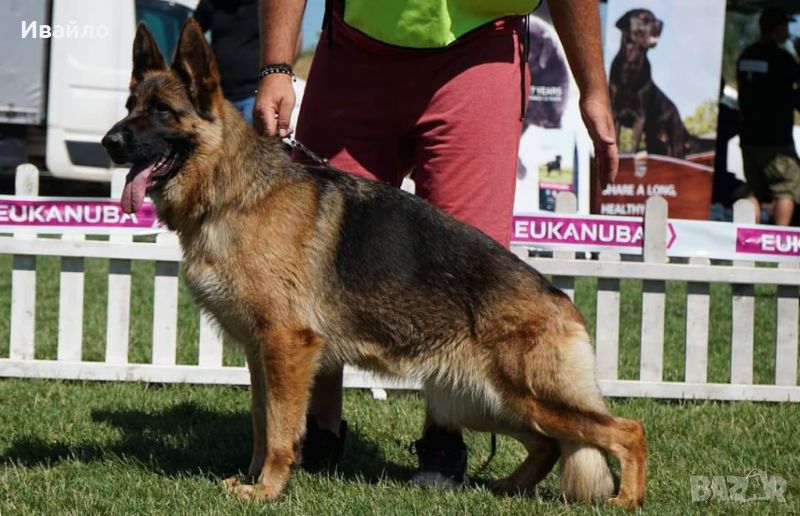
[(144, 177)]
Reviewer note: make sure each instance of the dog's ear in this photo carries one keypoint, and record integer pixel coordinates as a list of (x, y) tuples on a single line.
[(624, 22), (146, 55), (195, 66)]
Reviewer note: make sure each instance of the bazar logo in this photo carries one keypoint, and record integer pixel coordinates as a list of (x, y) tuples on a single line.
[(758, 485)]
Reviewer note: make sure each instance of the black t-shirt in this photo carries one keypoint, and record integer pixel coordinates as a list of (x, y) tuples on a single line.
[(767, 98), (234, 40)]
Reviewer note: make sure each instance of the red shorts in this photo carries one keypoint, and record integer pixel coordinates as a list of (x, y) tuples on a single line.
[(452, 115)]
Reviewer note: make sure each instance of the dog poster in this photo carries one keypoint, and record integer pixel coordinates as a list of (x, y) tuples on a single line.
[(547, 163), (664, 62)]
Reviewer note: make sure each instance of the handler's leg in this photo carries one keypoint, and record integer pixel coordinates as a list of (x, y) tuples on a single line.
[(324, 440), (466, 146), (347, 117)]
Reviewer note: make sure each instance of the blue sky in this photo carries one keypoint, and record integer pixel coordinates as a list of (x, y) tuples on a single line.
[(312, 21), (687, 61)]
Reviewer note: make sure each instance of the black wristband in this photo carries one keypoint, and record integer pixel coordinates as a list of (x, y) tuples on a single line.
[(270, 69)]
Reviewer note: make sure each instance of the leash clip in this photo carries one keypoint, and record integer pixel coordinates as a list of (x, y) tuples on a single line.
[(297, 144)]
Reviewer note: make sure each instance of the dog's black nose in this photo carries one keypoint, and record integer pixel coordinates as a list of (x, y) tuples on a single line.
[(112, 142)]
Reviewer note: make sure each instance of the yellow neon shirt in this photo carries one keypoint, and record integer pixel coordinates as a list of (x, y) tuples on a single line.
[(427, 23)]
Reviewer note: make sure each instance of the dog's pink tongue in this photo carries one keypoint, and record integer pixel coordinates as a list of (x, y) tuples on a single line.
[(135, 186)]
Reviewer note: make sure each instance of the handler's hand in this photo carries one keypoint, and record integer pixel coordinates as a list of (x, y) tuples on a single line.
[(597, 116), (273, 107)]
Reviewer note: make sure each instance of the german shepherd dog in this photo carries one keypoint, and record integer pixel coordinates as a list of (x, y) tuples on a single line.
[(311, 268)]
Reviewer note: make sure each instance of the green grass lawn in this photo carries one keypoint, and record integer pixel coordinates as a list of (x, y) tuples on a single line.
[(84, 448), (564, 176)]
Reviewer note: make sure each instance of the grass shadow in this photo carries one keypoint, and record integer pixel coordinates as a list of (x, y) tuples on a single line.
[(187, 439)]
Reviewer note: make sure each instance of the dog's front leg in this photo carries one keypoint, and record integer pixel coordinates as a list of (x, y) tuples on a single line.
[(258, 411), (289, 358), (258, 414)]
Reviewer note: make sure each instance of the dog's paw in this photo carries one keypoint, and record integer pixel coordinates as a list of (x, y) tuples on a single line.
[(626, 502), (255, 492), (231, 482), (504, 487)]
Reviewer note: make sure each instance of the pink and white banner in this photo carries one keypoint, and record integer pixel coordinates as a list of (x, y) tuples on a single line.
[(74, 215), (543, 231), (755, 240), (684, 238)]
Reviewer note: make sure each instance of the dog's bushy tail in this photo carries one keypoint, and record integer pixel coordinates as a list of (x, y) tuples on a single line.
[(585, 475)]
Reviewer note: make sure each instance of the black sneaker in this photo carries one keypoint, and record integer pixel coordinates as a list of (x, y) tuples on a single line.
[(442, 459), (321, 448)]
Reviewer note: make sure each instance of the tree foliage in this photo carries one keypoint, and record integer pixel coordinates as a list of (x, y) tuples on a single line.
[(704, 120)]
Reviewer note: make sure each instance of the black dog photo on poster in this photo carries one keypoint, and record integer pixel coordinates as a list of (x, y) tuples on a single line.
[(637, 100), (664, 60)]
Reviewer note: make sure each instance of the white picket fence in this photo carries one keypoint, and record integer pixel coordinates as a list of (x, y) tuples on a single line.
[(654, 270)]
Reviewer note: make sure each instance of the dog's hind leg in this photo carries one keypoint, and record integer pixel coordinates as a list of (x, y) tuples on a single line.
[(290, 358), (543, 454), (623, 438), (548, 382), (571, 409)]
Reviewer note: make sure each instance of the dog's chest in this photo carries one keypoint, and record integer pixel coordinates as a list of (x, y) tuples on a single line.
[(215, 293), (207, 285), (208, 273)]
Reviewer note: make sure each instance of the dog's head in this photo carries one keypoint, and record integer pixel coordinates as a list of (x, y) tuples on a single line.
[(173, 113), (641, 27)]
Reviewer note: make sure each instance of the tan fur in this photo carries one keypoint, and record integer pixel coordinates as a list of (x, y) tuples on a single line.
[(585, 476), (260, 240)]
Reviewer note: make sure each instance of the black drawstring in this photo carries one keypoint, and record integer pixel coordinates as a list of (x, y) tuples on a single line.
[(525, 55), (492, 452)]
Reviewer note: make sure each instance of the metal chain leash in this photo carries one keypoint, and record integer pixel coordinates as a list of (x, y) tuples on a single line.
[(297, 144)]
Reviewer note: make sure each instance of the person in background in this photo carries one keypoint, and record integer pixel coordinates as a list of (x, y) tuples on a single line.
[(440, 87), (768, 75), (727, 188), (235, 42)]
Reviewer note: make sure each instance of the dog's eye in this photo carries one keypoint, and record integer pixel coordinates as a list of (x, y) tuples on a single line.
[(162, 107)]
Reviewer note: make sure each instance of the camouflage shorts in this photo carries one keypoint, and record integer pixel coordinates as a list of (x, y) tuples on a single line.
[(772, 172)]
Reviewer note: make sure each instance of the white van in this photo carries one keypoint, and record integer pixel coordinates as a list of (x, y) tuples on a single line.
[(60, 94)]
